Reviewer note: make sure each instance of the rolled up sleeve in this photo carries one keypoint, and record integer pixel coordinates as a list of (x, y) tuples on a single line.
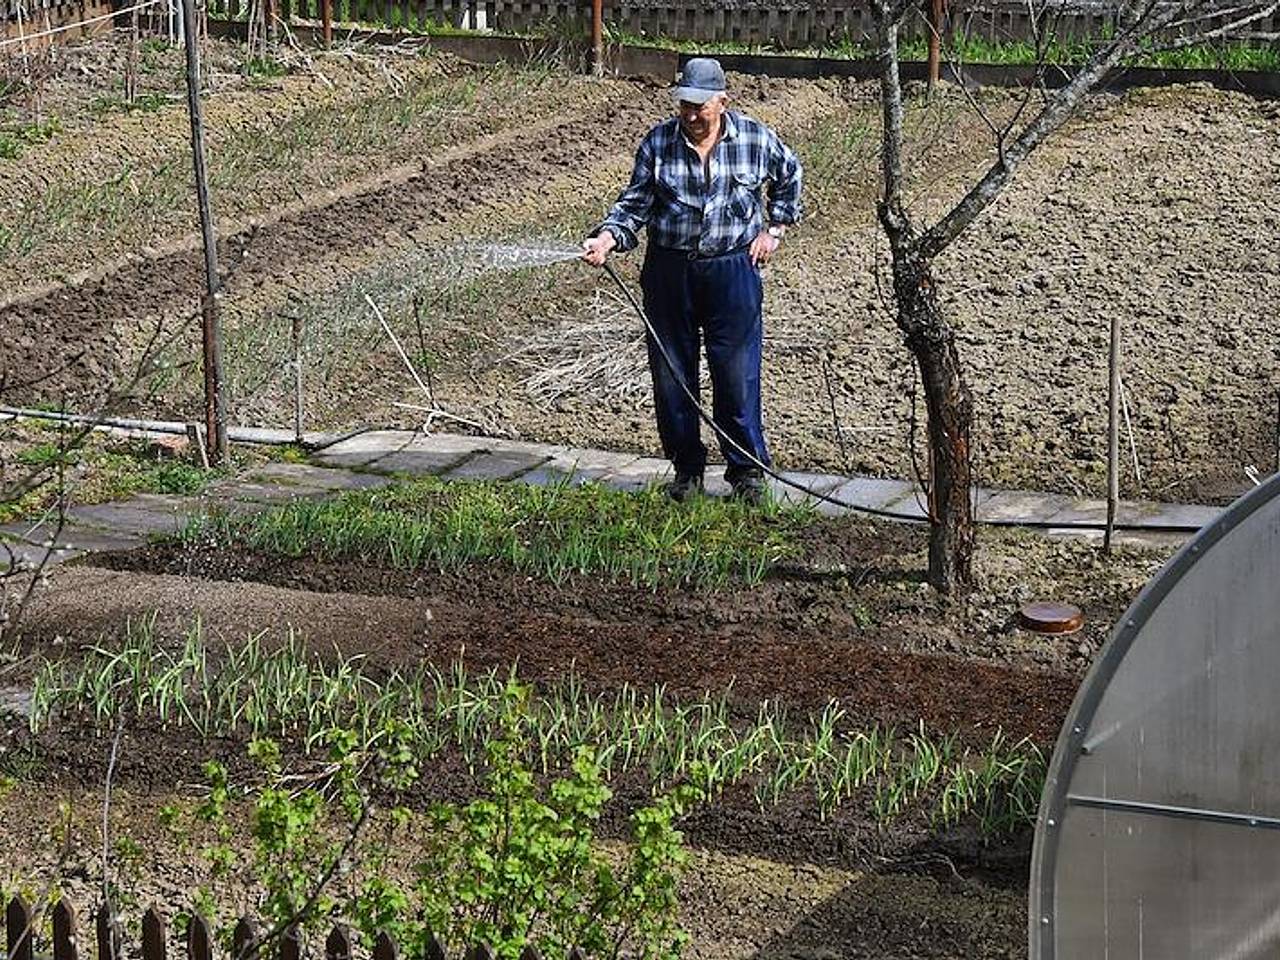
[(786, 176), (634, 204)]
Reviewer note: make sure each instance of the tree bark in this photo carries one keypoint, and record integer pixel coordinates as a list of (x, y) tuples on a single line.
[(949, 403)]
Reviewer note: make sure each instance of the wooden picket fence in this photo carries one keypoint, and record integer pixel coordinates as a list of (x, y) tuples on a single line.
[(786, 24), (247, 943)]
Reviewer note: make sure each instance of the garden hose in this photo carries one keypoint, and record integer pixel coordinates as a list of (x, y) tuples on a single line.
[(709, 420), (829, 498)]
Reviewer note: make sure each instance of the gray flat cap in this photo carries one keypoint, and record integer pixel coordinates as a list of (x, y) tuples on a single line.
[(700, 80)]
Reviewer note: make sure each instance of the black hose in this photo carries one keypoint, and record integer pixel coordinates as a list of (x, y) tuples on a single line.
[(836, 501)]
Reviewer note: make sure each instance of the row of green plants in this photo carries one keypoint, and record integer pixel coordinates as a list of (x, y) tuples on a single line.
[(554, 531), (130, 198), (967, 48), (257, 691)]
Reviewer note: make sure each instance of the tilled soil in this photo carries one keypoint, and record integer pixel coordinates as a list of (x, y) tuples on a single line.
[(849, 619), (1156, 204)]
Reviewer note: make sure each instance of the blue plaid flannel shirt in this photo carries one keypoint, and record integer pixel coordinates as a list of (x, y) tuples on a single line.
[(668, 193)]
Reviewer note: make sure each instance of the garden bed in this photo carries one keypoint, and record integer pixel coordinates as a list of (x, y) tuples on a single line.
[(888, 744)]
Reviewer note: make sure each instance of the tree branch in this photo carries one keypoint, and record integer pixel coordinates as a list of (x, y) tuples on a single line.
[(1060, 107), (891, 212)]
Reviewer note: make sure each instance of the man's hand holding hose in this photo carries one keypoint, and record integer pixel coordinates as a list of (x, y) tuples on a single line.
[(595, 250)]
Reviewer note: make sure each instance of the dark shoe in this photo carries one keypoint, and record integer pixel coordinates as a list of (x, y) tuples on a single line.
[(684, 486), (750, 488)]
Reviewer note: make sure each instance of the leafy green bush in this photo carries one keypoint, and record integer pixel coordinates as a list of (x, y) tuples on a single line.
[(519, 864)]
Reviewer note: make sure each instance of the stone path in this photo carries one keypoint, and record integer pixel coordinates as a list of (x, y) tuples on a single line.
[(371, 459)]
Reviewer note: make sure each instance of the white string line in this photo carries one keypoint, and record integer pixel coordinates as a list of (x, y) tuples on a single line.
[(81, 23)]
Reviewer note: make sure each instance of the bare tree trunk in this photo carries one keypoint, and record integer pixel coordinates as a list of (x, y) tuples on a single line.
[(949, 403)]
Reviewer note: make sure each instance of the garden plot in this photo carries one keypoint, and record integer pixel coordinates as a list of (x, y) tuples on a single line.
[(358, 167), (869, 756)]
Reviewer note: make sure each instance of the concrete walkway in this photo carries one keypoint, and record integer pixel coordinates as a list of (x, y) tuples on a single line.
[(370, 459)]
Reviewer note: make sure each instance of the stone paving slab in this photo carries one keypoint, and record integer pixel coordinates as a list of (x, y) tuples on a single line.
[(497, 466), (547, 476), (1076, 510), (1167, 515), (865, 492), (911, 505), (1008, 505), (639, 474), (310, 477), (364, 448), (30, 555), (818, 482), (590, 464), (144, 515), (256, 491), (72, 537)]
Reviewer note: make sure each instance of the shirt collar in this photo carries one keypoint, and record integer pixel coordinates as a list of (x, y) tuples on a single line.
[(730, 131), (730, 127)]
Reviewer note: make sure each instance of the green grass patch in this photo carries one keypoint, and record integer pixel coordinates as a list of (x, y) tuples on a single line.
[(14, 140), (94, 473), (113, 103), (253, 690), (552, 531)]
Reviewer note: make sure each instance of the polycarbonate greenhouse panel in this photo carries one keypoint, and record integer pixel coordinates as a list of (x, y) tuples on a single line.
[(1159, 831)]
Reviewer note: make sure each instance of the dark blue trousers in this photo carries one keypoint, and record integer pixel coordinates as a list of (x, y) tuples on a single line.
[(717, 299)]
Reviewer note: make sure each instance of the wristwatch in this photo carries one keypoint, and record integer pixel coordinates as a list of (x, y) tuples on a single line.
[(777, 230)]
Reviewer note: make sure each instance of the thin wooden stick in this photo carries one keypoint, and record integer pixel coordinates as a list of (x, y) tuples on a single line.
[(1113, 432)]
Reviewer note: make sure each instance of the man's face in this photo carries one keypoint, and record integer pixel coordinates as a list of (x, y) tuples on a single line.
[(699, 120)]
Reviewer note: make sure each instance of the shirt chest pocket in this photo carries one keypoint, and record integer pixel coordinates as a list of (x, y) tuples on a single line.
[(743, 195), (673, 186)]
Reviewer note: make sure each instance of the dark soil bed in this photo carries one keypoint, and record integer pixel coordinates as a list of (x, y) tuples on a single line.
[(796, 641)]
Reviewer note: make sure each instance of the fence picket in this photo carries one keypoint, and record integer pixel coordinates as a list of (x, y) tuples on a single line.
[(243, 938), (291, 944), (154, 944), (384, 947), (20, 926), (199, 939), (110, 937), (337, 946), (64, 931), (19, 922)]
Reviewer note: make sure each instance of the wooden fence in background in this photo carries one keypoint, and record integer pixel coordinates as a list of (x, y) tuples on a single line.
[(22, 923), (785, 24)]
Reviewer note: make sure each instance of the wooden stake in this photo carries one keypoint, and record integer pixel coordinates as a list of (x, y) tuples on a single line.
[(297, 380), (131, 62), (214, 405), (937, 16), (326, 21), (597, 37), (1113, 431)]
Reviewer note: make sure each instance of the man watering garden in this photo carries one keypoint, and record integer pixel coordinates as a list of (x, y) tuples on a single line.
[(704, 183)]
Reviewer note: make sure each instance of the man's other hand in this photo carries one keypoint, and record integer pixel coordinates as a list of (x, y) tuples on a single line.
[(763, 247), (595, 250)]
